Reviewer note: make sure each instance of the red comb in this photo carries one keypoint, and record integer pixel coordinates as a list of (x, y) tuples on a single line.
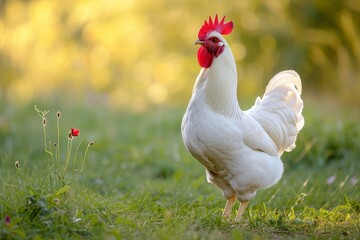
[(220, 27)]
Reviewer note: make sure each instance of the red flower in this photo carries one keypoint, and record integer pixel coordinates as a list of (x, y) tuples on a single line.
[(75, 132)]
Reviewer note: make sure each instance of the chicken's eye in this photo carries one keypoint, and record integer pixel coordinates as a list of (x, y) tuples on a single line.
[(214, 40)]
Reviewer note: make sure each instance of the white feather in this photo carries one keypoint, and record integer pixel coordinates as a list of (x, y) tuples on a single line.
[(279, 111)]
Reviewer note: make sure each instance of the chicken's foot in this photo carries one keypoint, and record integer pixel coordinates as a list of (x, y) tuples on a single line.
[(241, 211), (229, 205)]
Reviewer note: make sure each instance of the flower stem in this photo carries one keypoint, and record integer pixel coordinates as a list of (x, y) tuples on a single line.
[(76, 154), (68, 154)]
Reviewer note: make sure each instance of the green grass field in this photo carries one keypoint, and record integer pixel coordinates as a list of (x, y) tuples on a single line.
[(139, 182)]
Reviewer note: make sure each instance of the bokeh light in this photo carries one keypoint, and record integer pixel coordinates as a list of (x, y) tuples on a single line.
[(138, 54)]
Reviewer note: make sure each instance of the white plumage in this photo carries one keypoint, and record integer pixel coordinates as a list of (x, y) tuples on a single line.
[(240, 149)]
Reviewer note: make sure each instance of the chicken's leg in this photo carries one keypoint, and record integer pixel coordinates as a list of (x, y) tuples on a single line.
[(229, 204), (241, 210)]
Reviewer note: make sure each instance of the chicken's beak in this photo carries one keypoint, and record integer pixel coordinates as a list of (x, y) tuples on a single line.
[(199, 42)]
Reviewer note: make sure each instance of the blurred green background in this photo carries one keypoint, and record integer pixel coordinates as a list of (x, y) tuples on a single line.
[(140, 53)]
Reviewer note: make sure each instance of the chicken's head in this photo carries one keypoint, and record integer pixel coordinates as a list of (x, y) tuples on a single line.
[(211, 41)]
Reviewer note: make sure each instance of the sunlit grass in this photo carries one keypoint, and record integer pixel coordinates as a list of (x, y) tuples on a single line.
[(139, 182)]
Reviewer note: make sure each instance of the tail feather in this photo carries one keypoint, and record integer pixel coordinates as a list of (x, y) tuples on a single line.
[(279, 111), (278, 79)]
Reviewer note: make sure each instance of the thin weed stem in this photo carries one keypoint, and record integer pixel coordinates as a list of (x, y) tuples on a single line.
[(17, 173), (84, 159), (51, 155), (62, 179), (58, 114), (68, 153), (76, 154), (42, 114)]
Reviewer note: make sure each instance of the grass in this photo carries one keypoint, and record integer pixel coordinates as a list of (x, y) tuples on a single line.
[(139, 182)]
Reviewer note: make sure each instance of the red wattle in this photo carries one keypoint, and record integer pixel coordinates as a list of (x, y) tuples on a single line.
[(205, 57)]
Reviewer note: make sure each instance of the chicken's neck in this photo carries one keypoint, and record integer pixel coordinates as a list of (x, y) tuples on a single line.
[(220, 85)]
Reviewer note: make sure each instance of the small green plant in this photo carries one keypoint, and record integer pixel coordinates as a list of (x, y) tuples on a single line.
[(45, 204), (58, 169)]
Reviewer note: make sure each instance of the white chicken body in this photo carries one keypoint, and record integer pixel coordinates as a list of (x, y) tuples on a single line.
[(241, 149), (231, 149)]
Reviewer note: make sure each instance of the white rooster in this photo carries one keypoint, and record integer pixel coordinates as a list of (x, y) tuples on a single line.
[(240, 149)]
